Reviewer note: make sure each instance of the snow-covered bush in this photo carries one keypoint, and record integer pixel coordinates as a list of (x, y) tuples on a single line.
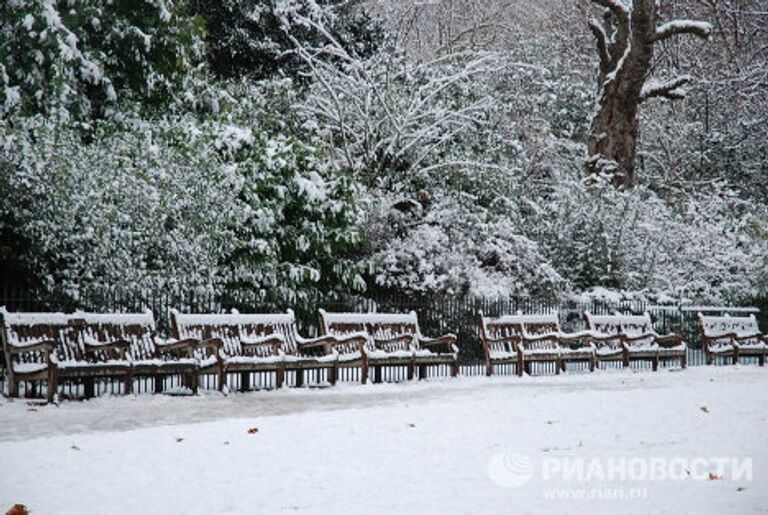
[(452, 245), (80, 56), (177, 200), (709, 245)]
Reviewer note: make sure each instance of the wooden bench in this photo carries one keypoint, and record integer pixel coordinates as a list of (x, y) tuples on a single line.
[(525, 339), (29, 340), (131, 338), (89, 346), (629, 338), (732, 337), (269, 343), (393, 339)]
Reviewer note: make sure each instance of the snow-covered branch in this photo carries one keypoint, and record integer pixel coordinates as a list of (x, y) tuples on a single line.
[(669, 89), (700, 29), (617, 7), (601, 40)]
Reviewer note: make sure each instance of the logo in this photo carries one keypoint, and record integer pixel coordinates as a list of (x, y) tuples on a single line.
[(510, 469)]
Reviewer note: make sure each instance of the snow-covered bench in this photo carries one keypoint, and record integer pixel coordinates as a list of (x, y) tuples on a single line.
[(629, 338), (268, 343), (525, 339), (393, 339), (29, 340), (732, 337), (89, 346), (126, 344)]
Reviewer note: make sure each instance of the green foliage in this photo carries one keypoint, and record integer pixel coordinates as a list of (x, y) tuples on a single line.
[(79, 57)]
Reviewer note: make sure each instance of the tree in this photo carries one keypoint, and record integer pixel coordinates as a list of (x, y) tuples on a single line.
[(625, 40), (249, 37)]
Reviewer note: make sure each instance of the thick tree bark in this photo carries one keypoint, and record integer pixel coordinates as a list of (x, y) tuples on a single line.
[(625, 41)]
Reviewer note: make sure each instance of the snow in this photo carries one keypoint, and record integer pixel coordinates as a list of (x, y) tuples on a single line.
[(234, 318), (431, 447), (368, 318)]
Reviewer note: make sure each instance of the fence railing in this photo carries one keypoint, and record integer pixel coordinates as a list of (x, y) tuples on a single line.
[(437, 314)]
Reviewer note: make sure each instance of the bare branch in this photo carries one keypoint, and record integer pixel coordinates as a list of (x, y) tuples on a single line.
[(700, 29), (601, 40), (617, 7)]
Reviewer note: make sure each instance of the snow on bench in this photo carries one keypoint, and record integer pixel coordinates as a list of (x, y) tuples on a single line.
[(393, 339), (262, 342), (29, 340), (732, 337), (524, 339), (632, 338), (88, 346)]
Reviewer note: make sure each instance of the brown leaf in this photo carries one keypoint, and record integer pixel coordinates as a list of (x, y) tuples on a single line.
[(253, 430), (715, 477), (704, 409), (179, 440), (411, 425), (17, 509)]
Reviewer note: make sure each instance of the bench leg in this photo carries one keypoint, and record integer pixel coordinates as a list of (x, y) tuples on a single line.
[(761, 360), (455, 369), (333, 374), (89, 387), (222, 377), (128, 384), (520, 365), (422, 372), (364, 372), (488, 369), (299, 378), (684, 360), (279, 377), (377, 374), (592, 361), (736, 357), (53, 384), (655, 363), (245, 381), (159, 383), (558, 367)]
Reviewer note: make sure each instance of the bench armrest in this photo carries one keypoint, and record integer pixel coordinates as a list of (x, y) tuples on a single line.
[(446, 339), (329, 342), (43, 345)]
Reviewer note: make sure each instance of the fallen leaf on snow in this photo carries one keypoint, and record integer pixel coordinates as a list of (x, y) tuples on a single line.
[(253, 430), (179, 440), (17, 509), (715, 477), (704, 409)]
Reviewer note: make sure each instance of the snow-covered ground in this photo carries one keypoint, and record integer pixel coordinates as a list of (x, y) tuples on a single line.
[(596, 443)]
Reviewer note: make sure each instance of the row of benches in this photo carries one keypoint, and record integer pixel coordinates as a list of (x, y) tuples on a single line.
[(526, 339), (89, 346)]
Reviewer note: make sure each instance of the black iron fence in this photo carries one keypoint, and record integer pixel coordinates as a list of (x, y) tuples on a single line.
[(437, 314)]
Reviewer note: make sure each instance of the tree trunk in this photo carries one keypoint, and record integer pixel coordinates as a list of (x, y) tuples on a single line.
[(625, 42)]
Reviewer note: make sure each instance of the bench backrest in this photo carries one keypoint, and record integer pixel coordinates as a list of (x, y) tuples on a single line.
[(20, 329), (136, 328), (72, 331), (234, 327), (630, 325), (518, 325), (381, 326), (713, 326)]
